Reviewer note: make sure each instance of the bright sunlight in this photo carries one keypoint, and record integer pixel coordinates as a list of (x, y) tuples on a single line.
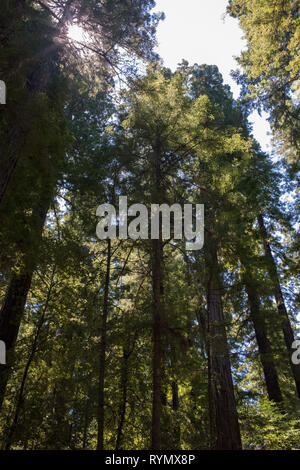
[(77, 33)]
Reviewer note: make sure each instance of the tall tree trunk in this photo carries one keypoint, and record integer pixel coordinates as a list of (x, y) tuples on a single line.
[(86, 423), (100, 437), (282, 311), (157, 346), (124, 384), (14, 302), (202, 317), (16, 136), (175, 407), (10, 158), (225, 431), (157, 287), (264, 347), (37, 82)]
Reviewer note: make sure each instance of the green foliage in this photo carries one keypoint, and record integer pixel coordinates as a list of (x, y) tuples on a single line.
[(271, 64), (264, 427), (85, 144)]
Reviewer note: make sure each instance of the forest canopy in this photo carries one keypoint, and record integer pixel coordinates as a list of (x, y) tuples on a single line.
[(142, 343)]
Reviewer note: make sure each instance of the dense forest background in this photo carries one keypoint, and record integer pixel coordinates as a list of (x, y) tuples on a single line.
[(141, 344)]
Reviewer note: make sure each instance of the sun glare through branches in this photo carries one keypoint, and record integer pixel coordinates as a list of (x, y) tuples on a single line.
[(77, 33)]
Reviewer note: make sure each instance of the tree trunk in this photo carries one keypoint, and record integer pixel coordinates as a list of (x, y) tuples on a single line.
[(20, 400), (124, 383), (10, 159), (37, 82), (157, 287), (175, 407), (282, 311), (86, 423), (15, 299), (157, 346), (264, 347), (224, 429), (100, 437)]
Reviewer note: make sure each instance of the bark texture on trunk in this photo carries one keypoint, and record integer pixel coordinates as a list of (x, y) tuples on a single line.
[(224, 426)]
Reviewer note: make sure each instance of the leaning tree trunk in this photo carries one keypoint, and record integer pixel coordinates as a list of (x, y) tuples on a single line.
[(282, 311), (14, 302), (264, 347), (224, 426), (9, 439), (100, 436), (10, 157)]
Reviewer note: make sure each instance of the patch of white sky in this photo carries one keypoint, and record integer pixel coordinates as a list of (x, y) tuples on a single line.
[(200, 32)]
